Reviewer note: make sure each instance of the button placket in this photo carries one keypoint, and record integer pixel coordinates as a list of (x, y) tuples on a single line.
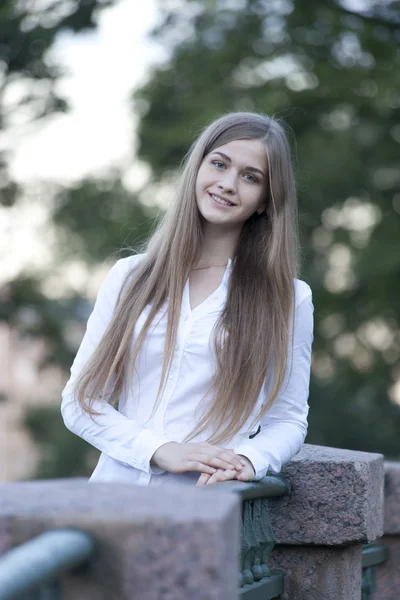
[(184, 329)]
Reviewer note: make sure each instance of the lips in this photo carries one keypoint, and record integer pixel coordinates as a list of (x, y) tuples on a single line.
[(221, 200)]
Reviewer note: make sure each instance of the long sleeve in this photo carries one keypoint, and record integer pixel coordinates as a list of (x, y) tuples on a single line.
[(283, 428), (111, 432)]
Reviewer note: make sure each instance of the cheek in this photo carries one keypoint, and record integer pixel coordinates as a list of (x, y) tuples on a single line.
[(260, 198), (203, 173), (254, 198), (202, 181), (199, 179)]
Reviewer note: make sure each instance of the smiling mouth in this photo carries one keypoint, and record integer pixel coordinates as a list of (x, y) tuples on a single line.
[(221, 201)]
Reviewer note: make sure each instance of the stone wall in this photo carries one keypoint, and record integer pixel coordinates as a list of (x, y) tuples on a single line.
[(172, 543), (180, 542), (388, 574), (335, 506)]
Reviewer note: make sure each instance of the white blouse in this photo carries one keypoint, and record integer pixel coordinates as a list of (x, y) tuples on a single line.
[(129, 436)]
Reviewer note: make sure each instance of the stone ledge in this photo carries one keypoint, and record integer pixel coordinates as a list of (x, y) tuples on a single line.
[(336, 498), (166, 542), (392, 497), (76, 496)]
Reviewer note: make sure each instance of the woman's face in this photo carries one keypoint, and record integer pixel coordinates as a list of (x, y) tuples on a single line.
[(232, 182)]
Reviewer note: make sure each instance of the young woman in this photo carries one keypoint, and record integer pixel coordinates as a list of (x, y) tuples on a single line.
[(196, 361)]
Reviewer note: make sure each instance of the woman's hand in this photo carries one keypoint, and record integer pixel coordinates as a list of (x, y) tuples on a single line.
[(245, 474), (203, 457)]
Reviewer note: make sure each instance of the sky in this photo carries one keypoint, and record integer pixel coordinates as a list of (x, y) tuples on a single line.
[(103, 68)]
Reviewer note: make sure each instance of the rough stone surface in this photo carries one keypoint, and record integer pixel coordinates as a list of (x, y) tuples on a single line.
[(171, 542), (336, 498), (319, 573), (5, 535), (388, 573), (392, 497)]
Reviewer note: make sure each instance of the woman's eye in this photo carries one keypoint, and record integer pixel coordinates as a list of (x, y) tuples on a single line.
[(250, 178), (218, 164)]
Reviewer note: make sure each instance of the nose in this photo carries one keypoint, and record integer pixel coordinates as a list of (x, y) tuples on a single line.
[(228, 182)]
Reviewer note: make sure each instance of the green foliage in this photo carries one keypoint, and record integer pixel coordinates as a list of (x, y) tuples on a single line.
[(62, 454), (333, 75), (27, 310), (27, 32), (89, 217), (97, 219)]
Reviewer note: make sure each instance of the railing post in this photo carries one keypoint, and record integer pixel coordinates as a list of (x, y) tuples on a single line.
[(387, 575), (335, 507)]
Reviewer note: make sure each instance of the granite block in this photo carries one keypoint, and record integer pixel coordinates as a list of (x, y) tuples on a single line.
[(336, 498), (388, 573), (319, 573), (166, 543), (392, 497)]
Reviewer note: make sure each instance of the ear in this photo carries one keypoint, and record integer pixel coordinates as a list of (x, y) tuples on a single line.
[(260, 210)]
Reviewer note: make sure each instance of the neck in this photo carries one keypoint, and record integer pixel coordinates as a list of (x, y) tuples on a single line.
[(218, 245)]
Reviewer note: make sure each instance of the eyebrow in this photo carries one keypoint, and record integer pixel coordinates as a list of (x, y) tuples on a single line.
[(252, 169)]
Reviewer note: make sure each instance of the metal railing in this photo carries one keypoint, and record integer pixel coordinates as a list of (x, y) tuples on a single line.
[(29, 571), (256, 580), (372, 555)]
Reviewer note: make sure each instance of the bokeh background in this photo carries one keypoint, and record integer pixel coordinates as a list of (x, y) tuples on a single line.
[(100, 100)]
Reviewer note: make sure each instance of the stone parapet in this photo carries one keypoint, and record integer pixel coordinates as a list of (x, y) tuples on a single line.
[(388, 574), (176, 542), (171, 543), (320, 573), (336, 498), (392, 498)]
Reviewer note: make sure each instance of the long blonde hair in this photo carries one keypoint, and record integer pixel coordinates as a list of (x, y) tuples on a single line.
[(255, 323)]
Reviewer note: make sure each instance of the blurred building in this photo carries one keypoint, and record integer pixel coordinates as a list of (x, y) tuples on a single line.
[(22, 384)]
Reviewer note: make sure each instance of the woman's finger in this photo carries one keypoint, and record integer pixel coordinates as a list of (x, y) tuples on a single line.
[(200, 467), (221, 464), (204, 477), (220, 476), (208, 458), (221, 459), (245, 475), (230, 452)]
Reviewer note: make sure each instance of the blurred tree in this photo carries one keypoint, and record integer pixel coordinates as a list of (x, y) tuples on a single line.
[(333, 74), (61, 453), (28, 78), (93, 219)]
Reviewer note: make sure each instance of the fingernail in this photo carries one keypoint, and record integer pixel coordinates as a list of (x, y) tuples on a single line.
[(239, 467)]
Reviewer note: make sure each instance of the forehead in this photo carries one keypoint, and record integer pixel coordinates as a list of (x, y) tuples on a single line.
[(251, 153)]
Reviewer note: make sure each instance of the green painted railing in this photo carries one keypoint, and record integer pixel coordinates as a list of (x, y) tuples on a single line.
[(256, 580), (372, 556), (30, 571)]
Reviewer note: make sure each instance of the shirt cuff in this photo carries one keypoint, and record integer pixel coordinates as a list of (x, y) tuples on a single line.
[(258, 461), (144, 446)]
